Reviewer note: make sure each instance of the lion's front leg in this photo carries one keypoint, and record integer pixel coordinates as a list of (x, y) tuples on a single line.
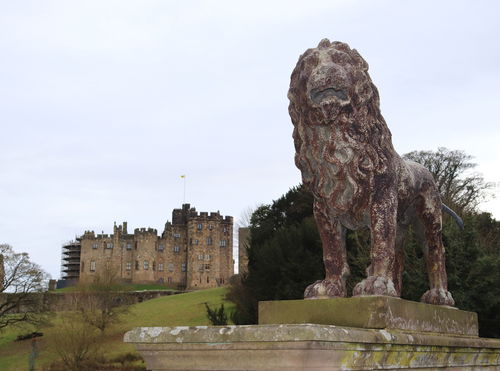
[(383, 214), (332, 235)]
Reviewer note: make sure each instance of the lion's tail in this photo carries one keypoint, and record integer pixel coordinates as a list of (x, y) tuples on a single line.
[(454, 215)]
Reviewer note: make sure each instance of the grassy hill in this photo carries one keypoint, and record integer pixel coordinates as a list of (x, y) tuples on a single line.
[(186, 309)]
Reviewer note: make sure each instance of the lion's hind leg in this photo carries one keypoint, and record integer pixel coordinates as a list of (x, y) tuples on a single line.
[(429, 229), (399, 260)]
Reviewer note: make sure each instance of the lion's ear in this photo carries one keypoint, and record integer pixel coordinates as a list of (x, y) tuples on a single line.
[(359, 60), (323, 44)]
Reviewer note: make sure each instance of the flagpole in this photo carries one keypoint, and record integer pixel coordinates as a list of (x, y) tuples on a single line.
[(184, 195)]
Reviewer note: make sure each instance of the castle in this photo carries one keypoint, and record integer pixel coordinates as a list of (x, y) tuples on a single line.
[(194, 251)]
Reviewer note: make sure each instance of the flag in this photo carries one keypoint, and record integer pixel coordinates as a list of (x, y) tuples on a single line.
[(183, 176)]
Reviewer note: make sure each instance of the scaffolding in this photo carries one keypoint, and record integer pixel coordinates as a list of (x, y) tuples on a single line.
[(70, 260)]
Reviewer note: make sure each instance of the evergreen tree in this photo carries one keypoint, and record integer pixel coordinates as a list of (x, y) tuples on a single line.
[(285, 255)]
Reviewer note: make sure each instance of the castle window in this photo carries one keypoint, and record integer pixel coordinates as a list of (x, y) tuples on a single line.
[(177, 235), (210, 227), (183, 267), (129, 266), (95, 245), (208, 279), (196, 242), (161, 247), (190, 241), (169, 279), (146, 265), (208, 257), (201, 269), (207, 267), (200, 257), (160, 267), (209, 241), (154, 265), (129, 246), (83, 265), (137, 265), (92, 265), (109, 245), (199, 227), (222, 243), (170, 267), (177, 249), (225, 229)]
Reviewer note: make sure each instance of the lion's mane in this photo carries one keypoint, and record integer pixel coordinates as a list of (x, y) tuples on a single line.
[(347, 143)]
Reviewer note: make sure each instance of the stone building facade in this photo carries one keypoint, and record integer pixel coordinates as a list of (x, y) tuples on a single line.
[(243, 244), (194, 251)]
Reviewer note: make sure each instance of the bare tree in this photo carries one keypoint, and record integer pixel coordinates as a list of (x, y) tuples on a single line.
[(77, 343), (101, 303), (460, 186), (245, 217), (20, 280)]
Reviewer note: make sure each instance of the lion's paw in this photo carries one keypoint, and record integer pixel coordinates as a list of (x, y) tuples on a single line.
[(328, 288), (438, 297), (375, 285)]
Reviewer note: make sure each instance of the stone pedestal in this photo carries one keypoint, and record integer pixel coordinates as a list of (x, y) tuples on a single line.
[(395, 340), (371, 312)]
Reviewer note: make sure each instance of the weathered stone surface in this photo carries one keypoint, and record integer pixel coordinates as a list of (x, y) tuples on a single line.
[(308, 347), (344, 151), (372, 312)]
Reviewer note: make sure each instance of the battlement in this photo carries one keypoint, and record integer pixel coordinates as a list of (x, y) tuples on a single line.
[(88, 235), (180, 216), (213, 216), (120, 229), (145, 231)]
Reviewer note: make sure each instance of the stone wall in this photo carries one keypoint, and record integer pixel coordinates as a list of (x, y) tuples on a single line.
[(55, 302), (309, 347)]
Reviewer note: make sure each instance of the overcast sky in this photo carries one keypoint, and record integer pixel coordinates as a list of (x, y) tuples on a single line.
[(104, 104)]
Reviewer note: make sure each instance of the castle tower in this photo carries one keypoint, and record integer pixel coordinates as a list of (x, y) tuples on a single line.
[(210, 255)]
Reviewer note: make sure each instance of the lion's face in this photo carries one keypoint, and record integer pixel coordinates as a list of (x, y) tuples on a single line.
[(329, 80)]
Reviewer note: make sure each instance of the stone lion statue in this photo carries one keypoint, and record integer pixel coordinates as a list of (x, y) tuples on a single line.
[(344, 151)]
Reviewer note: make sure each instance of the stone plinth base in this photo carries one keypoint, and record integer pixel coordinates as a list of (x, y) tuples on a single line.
[(373, 312), (309, 347)]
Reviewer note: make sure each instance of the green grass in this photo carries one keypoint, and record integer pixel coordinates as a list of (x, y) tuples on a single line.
[(186, 309)]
